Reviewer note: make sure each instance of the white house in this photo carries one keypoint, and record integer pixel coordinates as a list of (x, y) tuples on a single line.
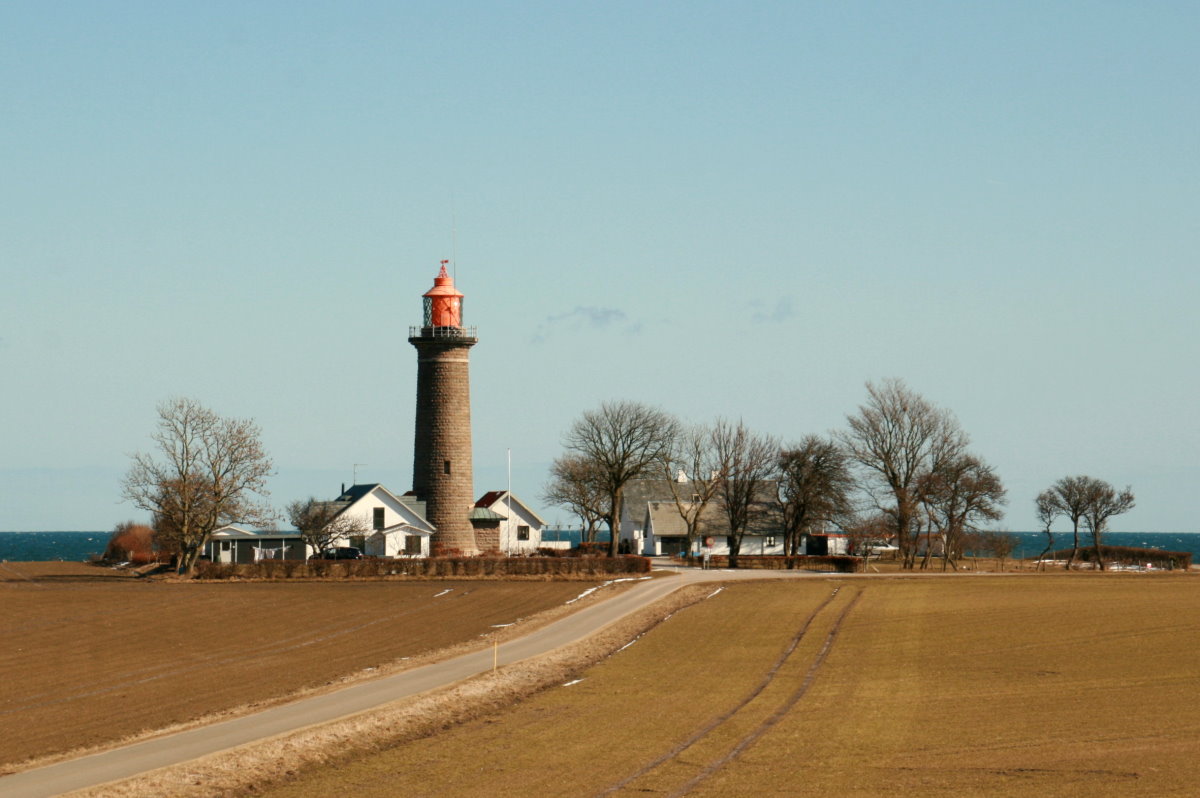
[(397, 523), (651, 523), (520, 527), (665, 532)]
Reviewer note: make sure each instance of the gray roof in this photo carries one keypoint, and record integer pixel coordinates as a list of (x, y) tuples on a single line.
[(484, 514), (667, 521), (641, 491), (411, 501)]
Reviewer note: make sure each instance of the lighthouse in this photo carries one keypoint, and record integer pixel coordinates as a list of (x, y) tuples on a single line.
[(442, 441)]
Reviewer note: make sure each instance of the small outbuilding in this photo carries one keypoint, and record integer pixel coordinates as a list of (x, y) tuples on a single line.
[(520, 526), (237, 544)]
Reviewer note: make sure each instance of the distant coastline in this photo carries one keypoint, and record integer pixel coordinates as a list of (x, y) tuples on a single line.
[(75, 546)]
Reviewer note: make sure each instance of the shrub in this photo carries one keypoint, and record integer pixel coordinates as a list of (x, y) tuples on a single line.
[(837, 563), (433, 567), (1130, 555), (131, 542), (206, 569)]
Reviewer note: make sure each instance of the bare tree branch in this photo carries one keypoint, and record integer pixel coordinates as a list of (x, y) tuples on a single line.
[(322, 524), (1103, 502), (207, 471), (895, 438), (815, 487), (962, 492), (623, 441), (747, 463), (576, 483), (693, 471)]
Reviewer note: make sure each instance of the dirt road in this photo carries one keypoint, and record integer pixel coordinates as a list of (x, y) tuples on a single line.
[(130, 760)]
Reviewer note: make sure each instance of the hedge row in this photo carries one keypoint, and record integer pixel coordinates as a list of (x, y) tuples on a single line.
[(836, 563), (431, 567), (1129, 555)]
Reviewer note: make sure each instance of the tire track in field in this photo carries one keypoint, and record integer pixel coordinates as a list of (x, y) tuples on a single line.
[(780, 713), (708, 728), (27, 580)]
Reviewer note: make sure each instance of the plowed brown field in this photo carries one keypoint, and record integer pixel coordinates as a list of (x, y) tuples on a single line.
[(1055, 685), (90, 656)]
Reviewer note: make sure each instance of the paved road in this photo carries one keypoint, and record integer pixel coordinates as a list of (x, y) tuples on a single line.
[(130, 760)]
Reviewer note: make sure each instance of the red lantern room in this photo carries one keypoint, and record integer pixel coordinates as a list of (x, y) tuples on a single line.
[(443, 302)]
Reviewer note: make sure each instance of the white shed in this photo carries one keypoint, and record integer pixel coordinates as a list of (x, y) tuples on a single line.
[(521, 527)]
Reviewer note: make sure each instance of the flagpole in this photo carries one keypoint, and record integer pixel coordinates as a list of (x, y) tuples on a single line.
[(511, 529)]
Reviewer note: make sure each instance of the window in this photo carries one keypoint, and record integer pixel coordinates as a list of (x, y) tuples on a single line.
[(378, 520), (446, 466), (224, 545), (522, 532), (770, 540), (412, 544), (358, 541)]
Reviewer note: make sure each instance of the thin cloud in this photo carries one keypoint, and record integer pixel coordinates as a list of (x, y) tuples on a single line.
[(585, 317), (781, 311)]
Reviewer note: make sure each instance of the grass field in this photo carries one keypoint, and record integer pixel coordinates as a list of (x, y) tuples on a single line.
[(1052, 685), (91, 656)]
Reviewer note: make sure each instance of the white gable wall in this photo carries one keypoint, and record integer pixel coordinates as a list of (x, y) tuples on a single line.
[(395, 514), (393, 542), (509, 532)]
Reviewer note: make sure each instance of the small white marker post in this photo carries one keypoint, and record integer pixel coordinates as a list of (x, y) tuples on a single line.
[(495, 655)]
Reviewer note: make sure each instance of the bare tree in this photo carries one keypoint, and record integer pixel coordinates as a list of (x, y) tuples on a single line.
[(208, 470), (1103, 502), (575, 483), (694, 455), (322, 524), (867, 532), (1047, 511), (960, 493), (622, 441), (1070, 498), (747, 464), (815, 487), (895, 438), (999, 544)]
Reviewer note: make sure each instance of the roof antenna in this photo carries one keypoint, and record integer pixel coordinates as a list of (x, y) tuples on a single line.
[(356, 465)]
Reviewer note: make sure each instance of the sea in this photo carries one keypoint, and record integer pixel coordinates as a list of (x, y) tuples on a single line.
[(80, 546), (47, 546)]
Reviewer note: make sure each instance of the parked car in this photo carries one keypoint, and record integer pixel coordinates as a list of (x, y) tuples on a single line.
[(340, 553)]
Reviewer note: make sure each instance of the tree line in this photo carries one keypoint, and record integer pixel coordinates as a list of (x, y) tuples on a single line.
[(901, 470)]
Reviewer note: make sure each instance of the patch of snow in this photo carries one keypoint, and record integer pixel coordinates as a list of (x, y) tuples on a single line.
[(591, 590), (587, 592), (444, 592), (576, 681)]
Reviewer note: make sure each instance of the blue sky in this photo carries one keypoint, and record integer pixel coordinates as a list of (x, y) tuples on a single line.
[(725, 209)]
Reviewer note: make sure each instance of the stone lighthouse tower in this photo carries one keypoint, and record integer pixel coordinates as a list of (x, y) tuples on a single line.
[(442, 445)]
